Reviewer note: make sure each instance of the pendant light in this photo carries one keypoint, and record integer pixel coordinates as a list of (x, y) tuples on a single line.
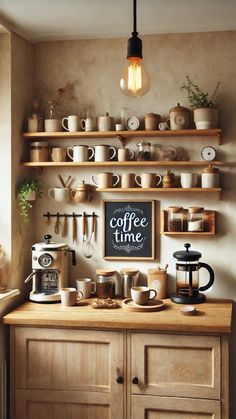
[(134, 80)]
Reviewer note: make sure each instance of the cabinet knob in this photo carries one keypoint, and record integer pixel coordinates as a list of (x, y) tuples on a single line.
[(119, 380), (135, 380)]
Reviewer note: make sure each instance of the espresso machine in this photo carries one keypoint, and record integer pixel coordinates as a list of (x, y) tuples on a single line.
[(187, 277), (50, 265)]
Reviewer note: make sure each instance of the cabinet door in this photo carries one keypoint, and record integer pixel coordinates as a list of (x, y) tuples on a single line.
[(146, 407), (41, 404), (62, 365), (176, 365)]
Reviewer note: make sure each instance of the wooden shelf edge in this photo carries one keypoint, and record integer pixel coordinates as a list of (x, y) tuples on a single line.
[(161, 190), (187, 233)]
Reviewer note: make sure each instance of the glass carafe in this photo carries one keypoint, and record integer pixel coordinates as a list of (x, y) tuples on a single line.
[(143, 151)]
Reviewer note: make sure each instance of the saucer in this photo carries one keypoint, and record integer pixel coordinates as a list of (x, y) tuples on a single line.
[(188, 310), (152, 305)]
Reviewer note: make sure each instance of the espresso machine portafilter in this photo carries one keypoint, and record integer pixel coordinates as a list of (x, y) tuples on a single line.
[(50, 270)]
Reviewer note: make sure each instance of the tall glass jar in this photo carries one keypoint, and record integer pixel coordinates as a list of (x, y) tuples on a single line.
[(195, 219), (175, 219), (143, 151), (39, 151), (105, 280)]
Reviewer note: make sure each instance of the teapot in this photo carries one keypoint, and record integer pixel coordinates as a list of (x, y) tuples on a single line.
[(82, 193)]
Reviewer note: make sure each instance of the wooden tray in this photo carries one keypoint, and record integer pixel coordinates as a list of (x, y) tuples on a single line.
[(153, 305)]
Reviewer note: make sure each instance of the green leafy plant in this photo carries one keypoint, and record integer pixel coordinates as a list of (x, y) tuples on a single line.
[(197, 98), (24, 188)]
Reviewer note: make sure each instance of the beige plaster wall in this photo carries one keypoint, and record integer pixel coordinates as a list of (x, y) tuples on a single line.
[(94, 67)]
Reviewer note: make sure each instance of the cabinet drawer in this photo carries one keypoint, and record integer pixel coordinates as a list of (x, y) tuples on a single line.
[(147, 407), (59, 359), (176, 365)]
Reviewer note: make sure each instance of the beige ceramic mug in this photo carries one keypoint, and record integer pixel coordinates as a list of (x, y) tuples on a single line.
[(127, 180), (142, 295), (105, 180), (86, 286), (70, 296), (125, 154), (59, 194), (58, 154), (148, 180)]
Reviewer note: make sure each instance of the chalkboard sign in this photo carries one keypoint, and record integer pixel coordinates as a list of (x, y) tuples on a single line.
[(129, 229)]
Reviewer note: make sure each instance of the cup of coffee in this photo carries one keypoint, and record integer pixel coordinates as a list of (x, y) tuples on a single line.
[(188, 180), (142, 295), (59, 194), (86, 286), (148, 180), (71, 123), (105, 180), (125, 154), (70, 296), (58, 154), (80, 153), (127, 180)]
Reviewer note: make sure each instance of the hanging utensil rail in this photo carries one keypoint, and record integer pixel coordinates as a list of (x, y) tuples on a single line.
[(48, 215)]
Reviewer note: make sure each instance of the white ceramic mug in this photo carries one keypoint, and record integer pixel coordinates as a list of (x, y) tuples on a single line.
[(120, 127), (59, 194), (80, 153), (52, 125), (58, 154), (188, 180), (148, 180), (70, 296), (142, 295), (88, 124), (104, 153), (125, 154), (105, 180), (163, 126), (71, 123), (127, 180), (86, 286)]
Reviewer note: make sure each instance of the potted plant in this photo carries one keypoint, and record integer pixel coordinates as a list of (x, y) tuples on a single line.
[(205, 110), (27, 190)]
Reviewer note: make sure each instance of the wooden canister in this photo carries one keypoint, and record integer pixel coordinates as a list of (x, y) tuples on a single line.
[(157, 280)]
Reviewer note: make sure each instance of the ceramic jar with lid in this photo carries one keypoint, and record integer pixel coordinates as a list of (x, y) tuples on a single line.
[(105, 283), (39, 151), (179, 118), (210, 177), (151, 121), (195, 219), (175, 219), (82, 193)]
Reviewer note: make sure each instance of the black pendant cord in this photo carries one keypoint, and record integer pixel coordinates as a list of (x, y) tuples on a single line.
[(134, 33)]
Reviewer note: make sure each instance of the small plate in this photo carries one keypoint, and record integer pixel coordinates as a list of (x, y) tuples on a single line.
[(152, 305), (188, 310)]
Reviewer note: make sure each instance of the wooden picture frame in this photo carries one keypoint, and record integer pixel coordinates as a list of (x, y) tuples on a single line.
[(129, 229)]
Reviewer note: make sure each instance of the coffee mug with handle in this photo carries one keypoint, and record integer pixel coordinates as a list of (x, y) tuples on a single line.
[(142, 295), (70, 296), (148, 180), (86, 286), (125, 154), (59, 194), (70, 123), (105, 180), (80, 153), (188, 180), (104, 153)]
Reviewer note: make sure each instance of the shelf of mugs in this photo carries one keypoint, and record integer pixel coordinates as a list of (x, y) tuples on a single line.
[(150, 163), (214, 133), (209, 222)]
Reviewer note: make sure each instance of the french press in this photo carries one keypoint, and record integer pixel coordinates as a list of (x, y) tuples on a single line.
[(187, 277)]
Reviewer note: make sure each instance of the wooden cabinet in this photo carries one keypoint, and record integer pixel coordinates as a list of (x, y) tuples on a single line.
[(68, 374)]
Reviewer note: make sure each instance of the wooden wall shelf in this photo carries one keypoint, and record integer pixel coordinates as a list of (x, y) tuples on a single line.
[(166, 163), (160, 190), (209, 225), (214, 133)]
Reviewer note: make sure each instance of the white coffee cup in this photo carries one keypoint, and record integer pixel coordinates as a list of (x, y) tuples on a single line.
[(86, 286), (105, 180), (148, 180), (142, 295), (163, 126), (71, 123), (120, 127), (59, 194), (125, 154), (188, 180), (127, 180), (103, 153), (70, 296), (80, 153), (88, 124), (52, 125)]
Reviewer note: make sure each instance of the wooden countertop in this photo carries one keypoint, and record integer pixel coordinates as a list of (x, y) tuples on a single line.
[(214, 316)]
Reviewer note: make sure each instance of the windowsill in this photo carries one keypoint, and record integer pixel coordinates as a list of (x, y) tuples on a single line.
[(8, 294)]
